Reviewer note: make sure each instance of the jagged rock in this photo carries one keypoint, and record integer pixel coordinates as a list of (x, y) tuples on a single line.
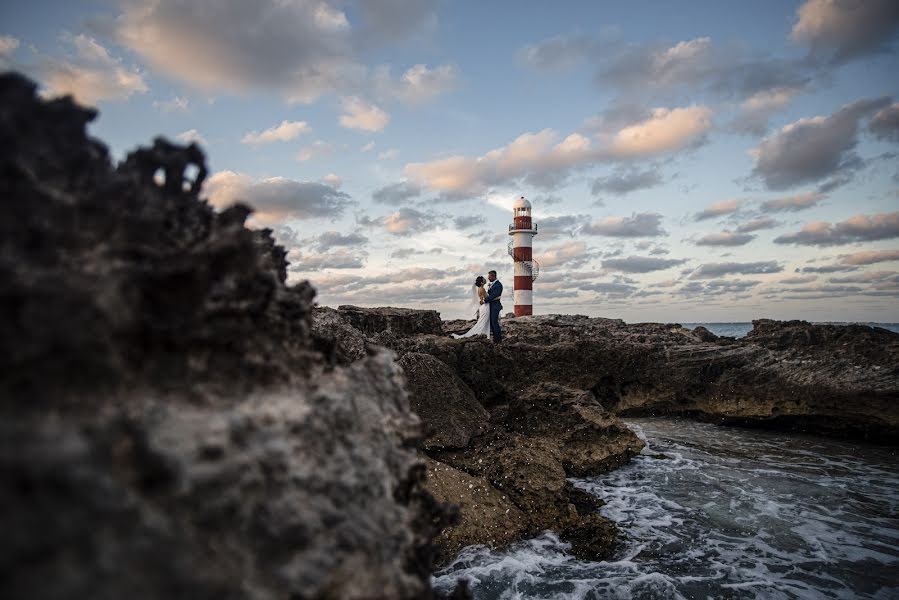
[(590, 439), (401, 321), (443, 401), (704, 334), (336, 338), (168, 427), (487, 516)]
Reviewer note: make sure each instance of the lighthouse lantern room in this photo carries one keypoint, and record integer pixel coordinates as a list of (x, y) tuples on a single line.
[(523, 231)]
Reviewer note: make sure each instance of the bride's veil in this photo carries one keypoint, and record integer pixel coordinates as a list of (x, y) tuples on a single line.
[(475, 299)]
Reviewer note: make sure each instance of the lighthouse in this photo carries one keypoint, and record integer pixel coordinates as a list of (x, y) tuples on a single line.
[(523, 231)]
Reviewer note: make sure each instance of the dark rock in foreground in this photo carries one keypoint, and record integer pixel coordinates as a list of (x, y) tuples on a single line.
[(170, 428)]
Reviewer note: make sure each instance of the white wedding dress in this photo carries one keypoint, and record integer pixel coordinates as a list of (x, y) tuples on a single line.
[(482, 326)]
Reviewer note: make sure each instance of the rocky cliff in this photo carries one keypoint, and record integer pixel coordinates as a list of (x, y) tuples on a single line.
[(170, 426)]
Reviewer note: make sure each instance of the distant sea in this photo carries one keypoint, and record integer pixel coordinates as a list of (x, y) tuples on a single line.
[(740, 329)]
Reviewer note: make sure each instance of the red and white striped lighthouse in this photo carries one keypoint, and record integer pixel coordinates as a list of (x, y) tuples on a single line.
[(523, 231)]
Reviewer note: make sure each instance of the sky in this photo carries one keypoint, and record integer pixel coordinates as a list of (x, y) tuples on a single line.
[(686, 162)]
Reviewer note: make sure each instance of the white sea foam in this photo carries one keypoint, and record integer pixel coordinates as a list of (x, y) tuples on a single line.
[(730, 513)]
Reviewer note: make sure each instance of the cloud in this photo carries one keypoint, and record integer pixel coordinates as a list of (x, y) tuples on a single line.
[(756, 110), (407, 221), (793, 203), (543, 160), (666, 130), (558, 53), (331, 239), (339, 259), (562, 225), (637, 225), (869, 277), (396, 194), (725, 238), (885, 124), (811, 150), (286, 131), (869, 257), (191, 135), (713, 270), (91, 75), (623, 182), (176, 104), (368, 147), (798, 280), (360, 115), (829, 269), (314, 150), (640, 264), (757, 224), (859, 228), (8, 47), (332, 179), (568, 254), (840, 30), (467, 221), (388, 154), (420, 84), (687, 63), (717, 209), (276, 198)]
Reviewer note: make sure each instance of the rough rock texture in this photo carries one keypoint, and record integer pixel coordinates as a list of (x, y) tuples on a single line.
[(443, 402), (169, 428), (400, 321), (553, 387), (335, 338)]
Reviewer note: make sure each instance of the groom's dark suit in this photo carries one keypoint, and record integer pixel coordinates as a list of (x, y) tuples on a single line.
[(496, 290)]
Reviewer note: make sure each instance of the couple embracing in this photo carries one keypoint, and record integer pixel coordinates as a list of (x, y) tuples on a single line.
[(489, 307)]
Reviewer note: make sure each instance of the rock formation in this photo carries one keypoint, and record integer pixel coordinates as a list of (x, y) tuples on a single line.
[(553, 388), (170, 427)]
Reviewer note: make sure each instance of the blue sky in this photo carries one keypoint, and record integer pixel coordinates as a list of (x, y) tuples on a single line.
[(699, 161)]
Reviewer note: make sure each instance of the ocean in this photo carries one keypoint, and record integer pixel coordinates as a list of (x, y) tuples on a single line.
[(719, 512), (741, 329)]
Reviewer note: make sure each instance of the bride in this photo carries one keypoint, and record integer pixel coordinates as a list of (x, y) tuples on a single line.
[(482, 326)]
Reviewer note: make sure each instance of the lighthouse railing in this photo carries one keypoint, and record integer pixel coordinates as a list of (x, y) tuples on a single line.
[(533, 228)]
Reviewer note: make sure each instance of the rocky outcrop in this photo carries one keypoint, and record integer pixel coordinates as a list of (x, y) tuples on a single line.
[(443, 401), (169, 426), (399, 321)]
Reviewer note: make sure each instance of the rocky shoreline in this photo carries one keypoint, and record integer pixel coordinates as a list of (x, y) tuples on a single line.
[(510, 423), (179, 421)]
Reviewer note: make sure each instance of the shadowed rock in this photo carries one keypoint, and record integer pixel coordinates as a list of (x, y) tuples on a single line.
[(169, 428)]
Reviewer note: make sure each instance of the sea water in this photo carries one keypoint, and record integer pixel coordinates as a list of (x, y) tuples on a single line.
[(740, 329), (714, 512)]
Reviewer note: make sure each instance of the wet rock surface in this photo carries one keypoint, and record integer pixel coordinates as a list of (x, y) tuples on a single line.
[(170, 426)]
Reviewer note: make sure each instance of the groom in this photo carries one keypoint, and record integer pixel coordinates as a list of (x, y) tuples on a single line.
[(493, 296)]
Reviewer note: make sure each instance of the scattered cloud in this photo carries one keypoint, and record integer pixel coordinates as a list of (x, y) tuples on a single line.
[(793, 203), (339, 259), (718, 209), (176, 104), (333, 180), (859, 228), (314, 150), (640, 264), (713, 270), (757, 224), (558, 53), (276, 198), (562, 225), (757, 110), (815, 149), (284, 132), (624, 181), (666, 130), (468, 221), (8, 47), (331, 239), (725, 238), (396, 194), (568, 254), (841, 30), (368, 147), (885, 124), (191, 135), (869, 257), (388, 154), (90, 75), (361, 115), (798, 280), (637, 225), (420, 84), (868, 277), (407, 221)]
